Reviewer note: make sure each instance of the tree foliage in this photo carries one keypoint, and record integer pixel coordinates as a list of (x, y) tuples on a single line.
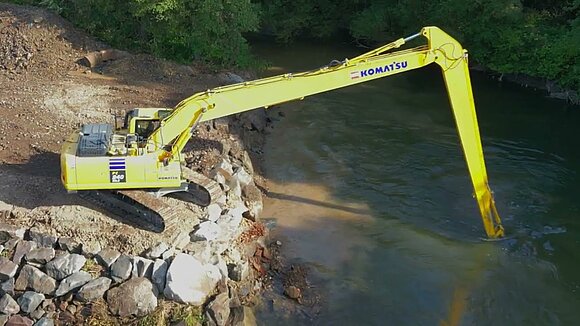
[(536, 37)]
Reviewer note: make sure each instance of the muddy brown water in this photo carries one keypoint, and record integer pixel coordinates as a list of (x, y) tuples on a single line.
[(369, 188)]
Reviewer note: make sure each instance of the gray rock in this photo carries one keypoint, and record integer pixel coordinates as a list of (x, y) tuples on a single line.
[(168, 254), (214, 211), (158, 276), (94, 289), (156, 251), (29, 301), (238, 272), (19, 321), (44, 321), (224, 168), (243, 177), (3, 319), (107, 257), (181, 240), (37, 314), (65, 265), (42, 239), (235, 192), (40, 255), (32, 278), (11, 244), (7, 287), (121, 268), (8, 232), (230, 222), (142, 267), (22, 248), (7, 269), (73, 282), (219, 309), (136, 297), (91, 248), (8, 305), (207, 231), (188, 281), (69, 245)]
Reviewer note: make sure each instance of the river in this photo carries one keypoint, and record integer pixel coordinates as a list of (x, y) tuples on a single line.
[(368, 187)]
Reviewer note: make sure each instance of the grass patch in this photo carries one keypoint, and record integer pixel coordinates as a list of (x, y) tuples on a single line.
[(93, 268), (168, 313)]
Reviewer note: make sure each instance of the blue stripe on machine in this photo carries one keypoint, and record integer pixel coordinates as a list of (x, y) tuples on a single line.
[(117, 167), (116, 163)]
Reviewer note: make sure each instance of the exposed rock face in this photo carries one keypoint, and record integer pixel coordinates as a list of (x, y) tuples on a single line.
[(8, 232), (8, 305), (214, 211), (208, 230), (94, 289), (189, 281), (44, 321), (32, 278), (136, 297), (73, 282), (29, 301), (7, 287), (107, 257), (65, 265), (7, 269), (121, 268), (69, 245)]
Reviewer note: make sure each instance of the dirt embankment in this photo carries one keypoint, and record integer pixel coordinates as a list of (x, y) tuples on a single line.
[(46, 94)]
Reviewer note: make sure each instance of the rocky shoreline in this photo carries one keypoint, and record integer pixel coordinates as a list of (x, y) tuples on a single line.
[(217, 265)]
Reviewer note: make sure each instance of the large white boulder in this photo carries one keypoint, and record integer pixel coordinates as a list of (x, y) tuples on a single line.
[(189, 281)]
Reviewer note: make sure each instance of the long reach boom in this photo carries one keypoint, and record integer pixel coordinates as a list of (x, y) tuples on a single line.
[(160, 150)]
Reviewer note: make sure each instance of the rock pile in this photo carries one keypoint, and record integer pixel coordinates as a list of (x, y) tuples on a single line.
[(47, 280)]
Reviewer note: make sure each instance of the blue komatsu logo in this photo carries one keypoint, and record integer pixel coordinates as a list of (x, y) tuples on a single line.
[(378, 70)]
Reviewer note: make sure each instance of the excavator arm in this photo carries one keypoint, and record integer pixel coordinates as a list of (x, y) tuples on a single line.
[(175, 130)]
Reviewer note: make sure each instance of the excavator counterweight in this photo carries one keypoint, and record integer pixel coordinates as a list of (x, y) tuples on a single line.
[(145, 155)]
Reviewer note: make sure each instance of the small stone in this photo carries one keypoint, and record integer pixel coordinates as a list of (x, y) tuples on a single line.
[(7, 287), (44, 321), (69, 245), (32, 278), (181, 240), (91, 248), (7, 269), (42, 239), (66, 318), (142, 267), (136, 297), (278, 243), (65, 265), (37, 314), (219, 309), (238, 272), (8, 232), (8, 305), (22, 248), (188, 281), (17, 320), (107, 257), (214, 211), (292, 292), (72, 309), (243, 177), (156, 251), (121, 268), (11, 244), (73, 282), (94, 289), (159, 273), (40, 255), (29, 301), (168, 254)]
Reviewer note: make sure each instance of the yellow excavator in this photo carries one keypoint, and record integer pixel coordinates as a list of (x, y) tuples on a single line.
[(128, 170)]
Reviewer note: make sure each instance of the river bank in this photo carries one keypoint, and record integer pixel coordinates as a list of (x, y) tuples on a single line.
[(65, 261)]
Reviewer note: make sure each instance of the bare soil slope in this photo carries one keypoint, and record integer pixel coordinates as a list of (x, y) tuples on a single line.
[(45, 94)]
